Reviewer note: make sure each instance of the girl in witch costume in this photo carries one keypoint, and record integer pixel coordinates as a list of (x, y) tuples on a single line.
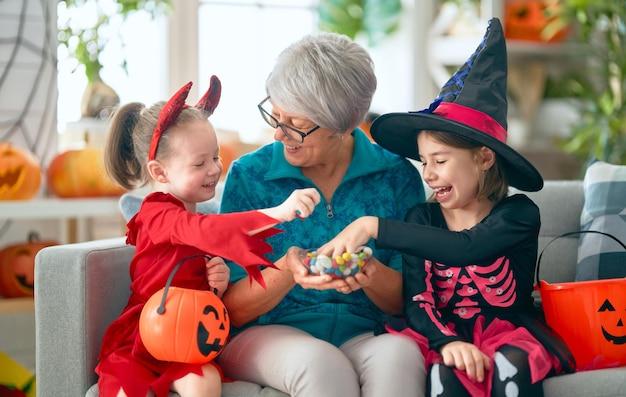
[(470, 252), (174, 147)]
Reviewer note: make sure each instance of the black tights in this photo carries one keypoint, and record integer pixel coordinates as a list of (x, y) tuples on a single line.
[(511, 363)]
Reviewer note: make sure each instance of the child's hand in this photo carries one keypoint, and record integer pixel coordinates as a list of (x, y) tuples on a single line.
[(466, 357), (300, 204), (353, 236), (218, 275)]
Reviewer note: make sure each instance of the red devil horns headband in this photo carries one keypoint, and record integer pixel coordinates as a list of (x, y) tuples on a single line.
[(176, 104)]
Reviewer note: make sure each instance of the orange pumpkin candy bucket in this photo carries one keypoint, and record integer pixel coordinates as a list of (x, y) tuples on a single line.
[(184, 325), (590, 316)]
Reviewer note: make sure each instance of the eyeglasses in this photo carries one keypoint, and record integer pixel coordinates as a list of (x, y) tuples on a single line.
[(290, 132)]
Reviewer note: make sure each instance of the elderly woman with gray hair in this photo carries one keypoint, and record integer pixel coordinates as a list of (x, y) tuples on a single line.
[(312, 335)]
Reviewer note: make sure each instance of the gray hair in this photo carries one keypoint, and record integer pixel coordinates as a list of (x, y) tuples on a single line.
[(326, 78)]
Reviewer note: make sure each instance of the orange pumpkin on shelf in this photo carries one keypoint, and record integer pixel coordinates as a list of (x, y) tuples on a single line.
[(17, 267), (20, 173), (80, 173), (528, 19), (228, 154)]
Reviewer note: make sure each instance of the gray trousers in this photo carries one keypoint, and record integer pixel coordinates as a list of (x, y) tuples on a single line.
[(300, 365)]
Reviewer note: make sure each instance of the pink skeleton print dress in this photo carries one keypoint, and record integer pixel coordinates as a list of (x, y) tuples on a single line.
[(474, 286)]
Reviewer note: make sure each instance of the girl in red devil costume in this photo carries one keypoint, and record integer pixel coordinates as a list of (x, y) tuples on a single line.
[(470, 252), (174, 147)]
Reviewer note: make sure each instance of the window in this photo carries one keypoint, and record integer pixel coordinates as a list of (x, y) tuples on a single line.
[(239, 42), (142, 41)]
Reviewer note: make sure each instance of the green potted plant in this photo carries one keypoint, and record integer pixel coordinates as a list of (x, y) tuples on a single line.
[(600, 131), (85, 29), (375, 18)]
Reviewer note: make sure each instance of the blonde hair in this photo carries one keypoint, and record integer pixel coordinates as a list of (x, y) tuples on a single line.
[(128, 141)]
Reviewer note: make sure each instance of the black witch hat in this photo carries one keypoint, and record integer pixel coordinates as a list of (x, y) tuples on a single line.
[(472, 104)]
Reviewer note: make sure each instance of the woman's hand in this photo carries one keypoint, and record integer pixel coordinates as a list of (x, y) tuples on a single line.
[(466, 357), (217, 274), (360, 280), (301, 276), (351, 237)]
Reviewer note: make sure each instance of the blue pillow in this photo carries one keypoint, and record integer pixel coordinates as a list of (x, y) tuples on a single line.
[(599, 257), (130, 203)]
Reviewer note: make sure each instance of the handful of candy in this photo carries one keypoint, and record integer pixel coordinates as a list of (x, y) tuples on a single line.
[(341, 266)]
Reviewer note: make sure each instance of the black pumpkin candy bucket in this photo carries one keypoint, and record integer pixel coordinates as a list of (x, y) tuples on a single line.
[(590, 316), (184, 325)]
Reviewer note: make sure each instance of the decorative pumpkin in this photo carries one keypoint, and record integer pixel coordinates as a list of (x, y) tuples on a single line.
[(184, 325), (228, 154), (17, 267), (80, 173), (527, 20), (20, 173)]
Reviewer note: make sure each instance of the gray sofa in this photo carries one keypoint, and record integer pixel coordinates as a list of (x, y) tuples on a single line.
[(81, 288)]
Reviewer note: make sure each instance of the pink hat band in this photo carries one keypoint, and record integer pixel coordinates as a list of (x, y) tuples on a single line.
[(473, 118)]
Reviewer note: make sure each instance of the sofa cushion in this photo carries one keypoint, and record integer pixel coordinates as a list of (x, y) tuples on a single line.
[(229, 389), (599, 257), (558, 263), (129, 205)]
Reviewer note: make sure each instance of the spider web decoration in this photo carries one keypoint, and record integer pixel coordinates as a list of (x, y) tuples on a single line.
[(28, 76)]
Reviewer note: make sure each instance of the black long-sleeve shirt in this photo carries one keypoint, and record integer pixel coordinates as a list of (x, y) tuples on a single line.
[(453, 277)]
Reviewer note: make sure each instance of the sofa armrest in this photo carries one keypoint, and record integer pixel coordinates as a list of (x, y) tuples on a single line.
[(79, 289)]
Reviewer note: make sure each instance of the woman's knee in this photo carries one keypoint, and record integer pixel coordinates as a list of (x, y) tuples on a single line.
[(271, 354), (391, 348), (389, 365), (321, 357)]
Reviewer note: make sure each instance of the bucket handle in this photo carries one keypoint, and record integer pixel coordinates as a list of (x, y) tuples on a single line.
[(161, 308), (571, 234)]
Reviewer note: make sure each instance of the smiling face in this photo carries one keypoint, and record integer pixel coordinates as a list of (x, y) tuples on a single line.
[(323, 147), (193, 169), (453, 173)]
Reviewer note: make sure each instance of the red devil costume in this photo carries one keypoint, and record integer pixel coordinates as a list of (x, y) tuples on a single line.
[(164, 232), (473, 285)]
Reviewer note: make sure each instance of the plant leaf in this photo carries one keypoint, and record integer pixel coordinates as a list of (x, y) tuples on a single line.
[(381, 17), (341, 16)]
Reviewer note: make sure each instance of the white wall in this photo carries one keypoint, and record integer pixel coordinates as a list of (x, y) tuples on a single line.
[(28, 93), (28, 107)]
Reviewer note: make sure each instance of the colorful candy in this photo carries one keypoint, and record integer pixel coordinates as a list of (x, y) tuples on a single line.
[(341, 266)]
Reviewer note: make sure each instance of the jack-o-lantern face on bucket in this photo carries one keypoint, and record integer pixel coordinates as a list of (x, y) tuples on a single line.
[(192, 327), (612, 323), (212, 332)]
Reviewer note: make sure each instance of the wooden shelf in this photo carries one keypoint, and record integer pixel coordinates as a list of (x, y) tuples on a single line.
[(76, 214), (16, 305), (55, 208)]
